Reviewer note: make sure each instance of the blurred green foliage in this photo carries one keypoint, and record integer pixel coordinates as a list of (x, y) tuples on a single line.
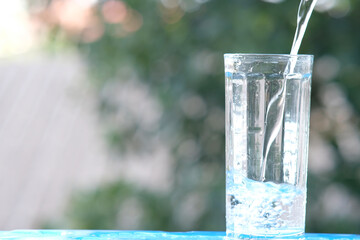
[(178, 55)]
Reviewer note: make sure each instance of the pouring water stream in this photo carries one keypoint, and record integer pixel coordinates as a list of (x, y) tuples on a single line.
[(275, 111)]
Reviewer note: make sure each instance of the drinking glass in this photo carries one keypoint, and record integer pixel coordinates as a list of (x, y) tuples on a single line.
[(267, 136)]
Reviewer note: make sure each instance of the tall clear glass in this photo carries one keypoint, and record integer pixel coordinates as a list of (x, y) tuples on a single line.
[(267, 138)]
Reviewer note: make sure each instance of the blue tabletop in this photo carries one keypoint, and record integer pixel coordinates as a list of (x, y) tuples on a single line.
[(151, 235)]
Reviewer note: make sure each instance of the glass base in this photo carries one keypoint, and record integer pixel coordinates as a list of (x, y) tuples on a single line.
[(294, 233)]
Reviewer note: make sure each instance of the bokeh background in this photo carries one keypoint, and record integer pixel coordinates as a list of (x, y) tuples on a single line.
[(112, 112)]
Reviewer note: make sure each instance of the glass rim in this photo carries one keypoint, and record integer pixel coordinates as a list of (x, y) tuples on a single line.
[(275, 55)]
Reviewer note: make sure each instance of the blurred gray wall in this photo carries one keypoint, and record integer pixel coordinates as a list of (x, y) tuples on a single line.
[(50, 143)]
